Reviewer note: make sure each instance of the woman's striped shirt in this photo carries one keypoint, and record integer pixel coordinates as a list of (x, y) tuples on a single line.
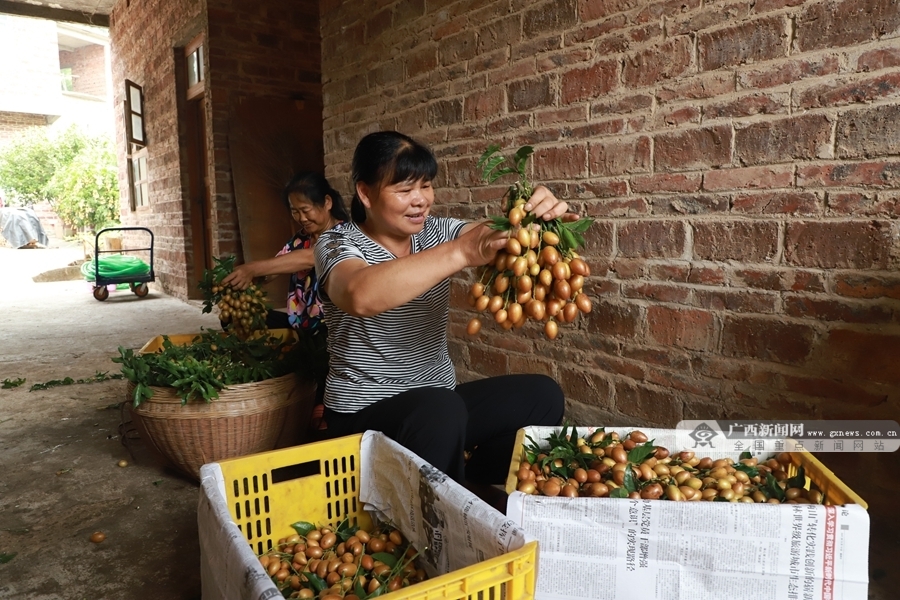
[(377, 357)]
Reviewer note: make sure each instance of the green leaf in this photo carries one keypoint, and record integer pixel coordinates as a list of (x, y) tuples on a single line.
[(750, 470), (317, 583), (619, 493), (639, 454), (772, 488), (8, 384), (499, 173), (5, 557), (489, 166), (303, 527), (745, 455), (500, 223), (521, 158), (358, 589), (579, 226), (798, 480), (388, 559), (492, 149), (629, 482)]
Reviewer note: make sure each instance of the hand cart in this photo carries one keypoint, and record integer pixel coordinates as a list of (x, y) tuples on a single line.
[(137, 283)]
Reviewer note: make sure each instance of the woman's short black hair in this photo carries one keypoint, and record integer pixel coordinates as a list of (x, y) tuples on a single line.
[(385, 158), (313, 185)]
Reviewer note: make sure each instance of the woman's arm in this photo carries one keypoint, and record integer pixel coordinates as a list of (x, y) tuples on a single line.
[(365, 290), (290, 262)]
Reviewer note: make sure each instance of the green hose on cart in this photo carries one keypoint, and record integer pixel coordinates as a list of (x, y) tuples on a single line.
[(115, 266)]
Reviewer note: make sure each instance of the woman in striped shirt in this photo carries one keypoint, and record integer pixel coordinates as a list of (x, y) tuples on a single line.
[(385, 284)]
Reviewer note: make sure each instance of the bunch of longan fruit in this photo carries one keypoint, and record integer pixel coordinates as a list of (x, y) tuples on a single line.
[(534, 277), (243, 310)]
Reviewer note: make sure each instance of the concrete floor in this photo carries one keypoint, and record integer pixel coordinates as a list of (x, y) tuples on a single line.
[(60, 447), (60, 481)]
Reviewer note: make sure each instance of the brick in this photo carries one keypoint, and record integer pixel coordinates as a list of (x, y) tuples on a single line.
[(592, 130), (679, 116), (763, 6), (590, 10), (618, 207), (658, 292), (744, 241), (529, 94), (598, 241), (621, 104), (677, 381), (590, 82), (655, 64), (655, 405), (421, 61), (378, 24), (619, 157), (593, 31), (609, 188), (651, 239), (827, 387), (445, 112), (693, 149), (560, 163), (839, 24), (671, 9), (615, 365), (689, 204), (614, 319), (532, 47), (670, 357), (855, 285), (870, 174), (748, 178), (587, 387), (557, 15), (511, 123), (725, 13), (841, 245), (860, 356), (684, 328), (824, 309), (757, 103), (457, 48), (802, 137), (868, 133), (840, 92), (500, 33), (567, 114), (706, 275), (483, 104), (489, 362), (666, 182), (742, 301), (486, 62), (698, 87), (792, 203), (517, 70), (625, 268), (408, 11), (767, 339), (670, 272), (753, 41), (563, 58), (881, 58), (789, 71)]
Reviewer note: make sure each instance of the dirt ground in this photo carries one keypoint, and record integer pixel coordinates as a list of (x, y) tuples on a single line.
[(59, 479)]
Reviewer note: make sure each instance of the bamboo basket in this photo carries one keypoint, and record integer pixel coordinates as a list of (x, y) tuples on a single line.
[(245, 419)]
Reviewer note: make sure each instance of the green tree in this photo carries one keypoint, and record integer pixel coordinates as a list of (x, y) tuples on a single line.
[(86, 189), (28, 164)]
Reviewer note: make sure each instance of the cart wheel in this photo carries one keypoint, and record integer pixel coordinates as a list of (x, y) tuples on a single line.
[(140, 290), (101, 293)]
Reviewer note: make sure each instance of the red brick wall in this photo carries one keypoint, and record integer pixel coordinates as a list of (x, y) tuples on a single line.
[(268, 48), (13, 124), (88, 71), (259, 48), (741, 160), (143, 36)]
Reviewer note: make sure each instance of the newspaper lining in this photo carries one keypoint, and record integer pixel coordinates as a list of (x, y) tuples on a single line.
[(619, 549)]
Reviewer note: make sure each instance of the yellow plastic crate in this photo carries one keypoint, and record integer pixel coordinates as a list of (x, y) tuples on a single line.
[(833, 489), (319, 483), (183, 339)]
